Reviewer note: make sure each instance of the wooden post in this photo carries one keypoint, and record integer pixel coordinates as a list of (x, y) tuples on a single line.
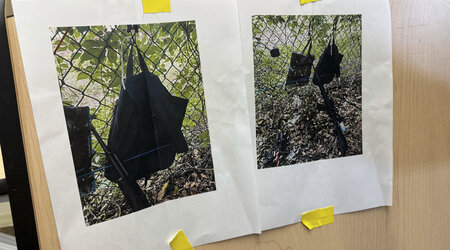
[(43, 211)]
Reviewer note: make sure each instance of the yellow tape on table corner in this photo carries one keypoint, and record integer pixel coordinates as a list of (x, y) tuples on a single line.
[(318, 217), (307, 1), (180, 242), (155, 6)]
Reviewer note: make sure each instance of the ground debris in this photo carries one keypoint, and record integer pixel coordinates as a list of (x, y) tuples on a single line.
[(311, 135), (192, 173)]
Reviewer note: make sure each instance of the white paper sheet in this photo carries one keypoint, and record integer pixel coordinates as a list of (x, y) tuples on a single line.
[(349, 183), (228, 212)]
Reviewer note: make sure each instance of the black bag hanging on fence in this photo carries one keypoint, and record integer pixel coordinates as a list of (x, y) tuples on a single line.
[(326, 69), (329, 64), (300, 67), (146, 127)]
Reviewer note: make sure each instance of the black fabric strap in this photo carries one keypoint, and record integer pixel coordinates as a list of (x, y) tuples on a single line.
[(335, 24), (310, 28), (310, 45), (130, 65)]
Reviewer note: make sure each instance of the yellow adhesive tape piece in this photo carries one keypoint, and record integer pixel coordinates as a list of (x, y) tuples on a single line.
[(307, 1), (154, 6), (318, 217), (180, 242)]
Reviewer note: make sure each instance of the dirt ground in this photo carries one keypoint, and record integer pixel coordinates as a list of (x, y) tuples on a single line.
[(184, 178), (307, 132)]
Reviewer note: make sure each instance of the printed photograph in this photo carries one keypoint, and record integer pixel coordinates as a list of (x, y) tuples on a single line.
[(135, 111), (307, 72)]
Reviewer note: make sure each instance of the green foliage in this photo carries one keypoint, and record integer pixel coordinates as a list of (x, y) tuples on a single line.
[(204, 137), (89, 60)]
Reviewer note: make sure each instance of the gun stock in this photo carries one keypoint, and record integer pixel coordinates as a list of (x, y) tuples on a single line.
[(130, 189)]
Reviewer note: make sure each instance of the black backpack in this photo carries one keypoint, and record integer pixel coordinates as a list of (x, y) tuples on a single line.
[(329, 65), (146, 127)]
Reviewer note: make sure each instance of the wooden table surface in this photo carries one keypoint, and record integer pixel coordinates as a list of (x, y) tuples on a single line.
[(420, 216)]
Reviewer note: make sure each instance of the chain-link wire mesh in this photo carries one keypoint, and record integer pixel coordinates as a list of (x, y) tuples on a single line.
[(291, 34), (91, 63), (277, 104)]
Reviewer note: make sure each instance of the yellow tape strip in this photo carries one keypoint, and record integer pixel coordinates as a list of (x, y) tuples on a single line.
[(318, 217), (307, 1), (154, 6), (180, 242)]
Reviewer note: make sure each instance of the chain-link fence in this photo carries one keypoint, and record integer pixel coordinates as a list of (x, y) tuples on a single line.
[(291, 34), (91, 63), (277, 104)]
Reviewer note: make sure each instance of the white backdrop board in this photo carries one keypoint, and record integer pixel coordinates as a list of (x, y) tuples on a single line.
[(246, 199)]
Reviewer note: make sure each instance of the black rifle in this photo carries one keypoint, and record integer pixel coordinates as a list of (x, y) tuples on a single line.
[(327, 68), (336, 119), (130, 189)]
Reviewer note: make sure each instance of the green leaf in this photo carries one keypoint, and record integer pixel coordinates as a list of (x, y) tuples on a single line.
[(93, 44), (204, 135), (116, 82), (187, 92), (76, 56), (67, 103), (89, 68), (205, 144), (82, 29), (97, 76), (112, 56), (82, 76), (167, 26), (88, 57)]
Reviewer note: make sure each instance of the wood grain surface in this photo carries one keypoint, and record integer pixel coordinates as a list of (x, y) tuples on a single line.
[(420, 216)]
